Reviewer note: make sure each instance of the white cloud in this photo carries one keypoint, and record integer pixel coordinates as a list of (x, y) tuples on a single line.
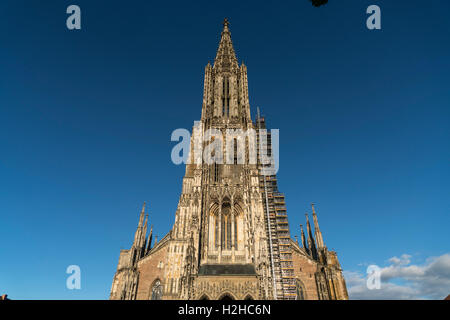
[(404, 259), (428, 281)]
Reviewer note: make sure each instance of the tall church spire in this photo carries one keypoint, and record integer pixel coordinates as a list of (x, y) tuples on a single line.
[(223, 221), (225, 91), (225, 57)]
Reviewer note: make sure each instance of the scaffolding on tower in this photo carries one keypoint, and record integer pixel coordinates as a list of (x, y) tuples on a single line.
[(277, 224)]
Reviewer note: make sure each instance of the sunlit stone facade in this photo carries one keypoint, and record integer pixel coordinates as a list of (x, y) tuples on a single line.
[(231, 238)]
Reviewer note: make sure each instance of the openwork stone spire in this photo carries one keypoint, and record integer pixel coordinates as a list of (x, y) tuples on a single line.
[(225, 57), (225, 96)]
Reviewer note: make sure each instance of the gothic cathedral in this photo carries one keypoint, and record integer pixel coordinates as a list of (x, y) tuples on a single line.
[(231, 237)]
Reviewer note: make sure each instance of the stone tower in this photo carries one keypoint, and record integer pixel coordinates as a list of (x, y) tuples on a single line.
[(231, 237)]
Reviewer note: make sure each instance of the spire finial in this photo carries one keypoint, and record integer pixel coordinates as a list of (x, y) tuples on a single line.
[(313, 210), (226, 23), (143, 207)]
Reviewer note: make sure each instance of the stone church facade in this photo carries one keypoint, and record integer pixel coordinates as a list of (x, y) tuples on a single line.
[(231, 237)]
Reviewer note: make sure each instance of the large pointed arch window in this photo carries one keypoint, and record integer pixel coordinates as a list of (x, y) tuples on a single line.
[(226, 227), (216, 231), (238, 216), (225, 223), (214, 226), (225, 97)]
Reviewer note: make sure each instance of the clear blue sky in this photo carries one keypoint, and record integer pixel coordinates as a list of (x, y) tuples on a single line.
[(86, 118)]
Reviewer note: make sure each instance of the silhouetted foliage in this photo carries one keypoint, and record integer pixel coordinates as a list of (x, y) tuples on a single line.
[(318, 3)]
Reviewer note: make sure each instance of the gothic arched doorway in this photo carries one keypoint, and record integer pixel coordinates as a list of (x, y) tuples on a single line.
[(226, 296)]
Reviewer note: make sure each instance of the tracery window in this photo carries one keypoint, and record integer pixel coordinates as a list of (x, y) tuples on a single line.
[(235, 233), (216, 172), (226, 227), (225, 97), (216, 231)]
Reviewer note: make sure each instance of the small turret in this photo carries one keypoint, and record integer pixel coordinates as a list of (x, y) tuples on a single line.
[(149, 241), (137, 249), (317, 232), (303, 239), (311, 242)]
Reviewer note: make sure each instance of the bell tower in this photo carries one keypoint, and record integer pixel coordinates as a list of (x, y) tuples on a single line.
[(220, 212)]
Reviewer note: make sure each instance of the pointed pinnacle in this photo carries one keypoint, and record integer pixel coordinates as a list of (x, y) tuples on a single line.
[(225, 23)]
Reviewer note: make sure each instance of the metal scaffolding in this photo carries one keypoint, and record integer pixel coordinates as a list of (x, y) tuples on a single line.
[(277, 226)]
